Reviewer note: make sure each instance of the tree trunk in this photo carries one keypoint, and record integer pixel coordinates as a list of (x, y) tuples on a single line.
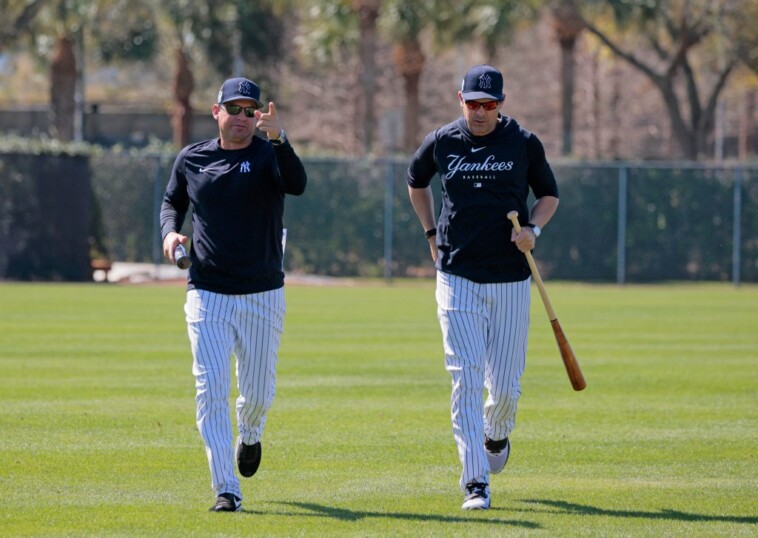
[(409, 62), (597, 137), (63, 89), (614, 112), (412, 110), (567, 26), (686, 137), (567, 94), (368, 13), (747, 125), (184, 84)]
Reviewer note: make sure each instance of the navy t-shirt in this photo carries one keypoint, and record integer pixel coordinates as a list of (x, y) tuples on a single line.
[(237, 199), (482, 179)]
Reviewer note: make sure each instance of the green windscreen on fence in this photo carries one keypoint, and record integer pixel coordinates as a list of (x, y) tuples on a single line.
[(628, 222)]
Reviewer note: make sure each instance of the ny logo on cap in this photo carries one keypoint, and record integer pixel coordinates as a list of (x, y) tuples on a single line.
[(245, 88), (485, 82)]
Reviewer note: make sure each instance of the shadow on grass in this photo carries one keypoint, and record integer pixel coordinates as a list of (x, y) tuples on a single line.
[(564, 507), (343, 514)]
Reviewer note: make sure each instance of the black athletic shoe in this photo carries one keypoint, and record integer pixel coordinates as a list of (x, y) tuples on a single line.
[(227, 502), (248, 458), (497, 453)]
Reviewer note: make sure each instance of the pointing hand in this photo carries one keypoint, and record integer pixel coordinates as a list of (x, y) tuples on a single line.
[(268, 122)]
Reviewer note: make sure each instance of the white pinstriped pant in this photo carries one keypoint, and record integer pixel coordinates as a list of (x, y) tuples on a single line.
[(484, 333), (250, 326)]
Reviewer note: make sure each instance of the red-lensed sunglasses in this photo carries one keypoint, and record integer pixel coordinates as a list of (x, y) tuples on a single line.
[(489, 105)]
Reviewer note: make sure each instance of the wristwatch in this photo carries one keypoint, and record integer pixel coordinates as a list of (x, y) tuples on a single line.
[(281, 140), (536, 229)]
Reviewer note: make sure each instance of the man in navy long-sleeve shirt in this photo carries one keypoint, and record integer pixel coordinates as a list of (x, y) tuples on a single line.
[(235, 185)]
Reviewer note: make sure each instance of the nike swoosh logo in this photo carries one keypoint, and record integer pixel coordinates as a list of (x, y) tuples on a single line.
[(474, 150)]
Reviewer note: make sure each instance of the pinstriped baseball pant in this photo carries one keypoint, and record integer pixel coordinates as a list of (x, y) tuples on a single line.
[(484, 333), (249, 326)]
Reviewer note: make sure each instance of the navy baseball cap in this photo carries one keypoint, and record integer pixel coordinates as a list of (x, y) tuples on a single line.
[(239, 88), (482, 82)]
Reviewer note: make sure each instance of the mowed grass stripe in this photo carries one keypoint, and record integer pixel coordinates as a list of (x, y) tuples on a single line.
[(98, 434)]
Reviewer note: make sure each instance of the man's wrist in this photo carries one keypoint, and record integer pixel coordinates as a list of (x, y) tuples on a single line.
[(536, 229), (279, 140), (431, 232)]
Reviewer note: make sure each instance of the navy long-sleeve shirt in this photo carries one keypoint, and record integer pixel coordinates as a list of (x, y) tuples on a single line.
[(482, 179), (237, 201)]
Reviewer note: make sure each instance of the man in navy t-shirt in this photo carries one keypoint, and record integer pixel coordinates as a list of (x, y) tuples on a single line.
[(487, 164)]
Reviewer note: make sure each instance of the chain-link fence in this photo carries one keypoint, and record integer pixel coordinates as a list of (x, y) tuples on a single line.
[(617, 222)]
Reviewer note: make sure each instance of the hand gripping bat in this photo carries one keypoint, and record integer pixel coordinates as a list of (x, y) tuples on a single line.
[(567, 354)]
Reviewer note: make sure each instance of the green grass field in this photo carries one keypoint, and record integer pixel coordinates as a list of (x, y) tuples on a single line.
[(97, 432)]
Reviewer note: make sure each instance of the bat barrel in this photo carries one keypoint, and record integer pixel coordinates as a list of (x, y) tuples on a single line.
[(569, 359)]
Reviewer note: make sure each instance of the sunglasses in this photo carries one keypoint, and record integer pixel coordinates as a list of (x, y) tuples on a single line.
[(234, 110), (489, 105)]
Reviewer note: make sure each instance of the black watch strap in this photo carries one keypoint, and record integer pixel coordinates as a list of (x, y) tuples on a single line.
[(430, 233)]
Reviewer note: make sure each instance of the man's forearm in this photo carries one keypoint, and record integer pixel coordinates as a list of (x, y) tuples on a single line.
[(543, 210), (422, 201)]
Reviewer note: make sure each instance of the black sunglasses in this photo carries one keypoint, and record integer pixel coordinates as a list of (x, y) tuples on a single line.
[(234, 110)]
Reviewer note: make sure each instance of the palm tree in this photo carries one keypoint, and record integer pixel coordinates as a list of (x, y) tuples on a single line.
[(488, 21), (492, 22), (204, 28), (343, 25), (119, 29), (331, 33)]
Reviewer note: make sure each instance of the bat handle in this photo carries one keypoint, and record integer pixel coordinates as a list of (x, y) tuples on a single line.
[(513, 217), (183, 261)]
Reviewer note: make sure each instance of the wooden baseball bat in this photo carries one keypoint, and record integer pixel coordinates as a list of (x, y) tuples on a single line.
[(567, 354)]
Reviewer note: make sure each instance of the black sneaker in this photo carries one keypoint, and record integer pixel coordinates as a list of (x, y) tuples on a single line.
[(248, 458), (478, 496), (497, 453), (227, 502)]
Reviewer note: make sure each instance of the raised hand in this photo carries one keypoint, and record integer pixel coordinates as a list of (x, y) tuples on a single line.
[(268, 122)]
